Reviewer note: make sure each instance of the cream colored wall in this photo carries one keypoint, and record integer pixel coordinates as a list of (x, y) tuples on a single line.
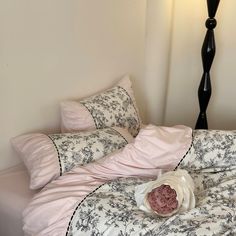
[(186, 68), (158, 48), (58, 49)]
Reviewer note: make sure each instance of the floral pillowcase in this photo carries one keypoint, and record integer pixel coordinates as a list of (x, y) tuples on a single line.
[(48, 156), (113, 107)]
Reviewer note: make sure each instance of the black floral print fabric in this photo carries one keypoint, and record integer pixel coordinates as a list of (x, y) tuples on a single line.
[(113, 107), (211, 161), (76, 149)]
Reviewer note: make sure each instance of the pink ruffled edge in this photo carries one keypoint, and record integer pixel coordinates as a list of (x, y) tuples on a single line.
[(75, 117), (39, 156)]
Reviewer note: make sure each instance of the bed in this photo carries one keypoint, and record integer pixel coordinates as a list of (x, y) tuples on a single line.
[(84, 179), (14, 197), (98, 199)]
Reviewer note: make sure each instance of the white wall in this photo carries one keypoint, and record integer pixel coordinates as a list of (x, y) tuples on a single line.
[(58, 49), (55, 50), (158, 48)]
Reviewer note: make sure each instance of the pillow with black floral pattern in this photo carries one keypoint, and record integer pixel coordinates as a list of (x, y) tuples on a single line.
[(49, 156), (113, 107)]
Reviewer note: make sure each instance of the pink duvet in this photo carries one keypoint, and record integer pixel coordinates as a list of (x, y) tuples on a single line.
[(155, 149)]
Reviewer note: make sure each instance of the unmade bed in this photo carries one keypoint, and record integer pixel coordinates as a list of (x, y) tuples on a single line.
[(98, 199), (86, 176)]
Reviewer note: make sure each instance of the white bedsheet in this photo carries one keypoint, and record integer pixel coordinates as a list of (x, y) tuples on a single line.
[(14, 196)]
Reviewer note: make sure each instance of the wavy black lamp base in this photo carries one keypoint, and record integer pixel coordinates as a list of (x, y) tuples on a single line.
[(202, 121), (208, 53)]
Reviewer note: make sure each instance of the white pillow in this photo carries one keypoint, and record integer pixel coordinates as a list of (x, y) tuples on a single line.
[(49, 156), (113, 107)]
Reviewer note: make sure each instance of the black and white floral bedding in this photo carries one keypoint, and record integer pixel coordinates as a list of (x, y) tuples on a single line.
[(113, 107), (211, 161), (80, 148)]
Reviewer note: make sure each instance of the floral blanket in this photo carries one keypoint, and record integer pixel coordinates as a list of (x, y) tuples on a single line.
[(211, 161), (98, 198)]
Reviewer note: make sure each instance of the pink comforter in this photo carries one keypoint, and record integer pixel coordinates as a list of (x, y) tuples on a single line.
[(154, 150)]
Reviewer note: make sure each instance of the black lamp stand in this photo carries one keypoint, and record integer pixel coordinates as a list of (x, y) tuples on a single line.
[(208, 53)]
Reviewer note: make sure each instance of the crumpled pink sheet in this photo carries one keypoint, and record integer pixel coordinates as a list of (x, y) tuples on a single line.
[(154, 150)]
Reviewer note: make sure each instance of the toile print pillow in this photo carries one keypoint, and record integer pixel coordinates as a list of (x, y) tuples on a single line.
[(49, 156), (113, 107)]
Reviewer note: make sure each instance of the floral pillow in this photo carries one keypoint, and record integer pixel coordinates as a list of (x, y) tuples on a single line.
[(49, 156), (113, 107)]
